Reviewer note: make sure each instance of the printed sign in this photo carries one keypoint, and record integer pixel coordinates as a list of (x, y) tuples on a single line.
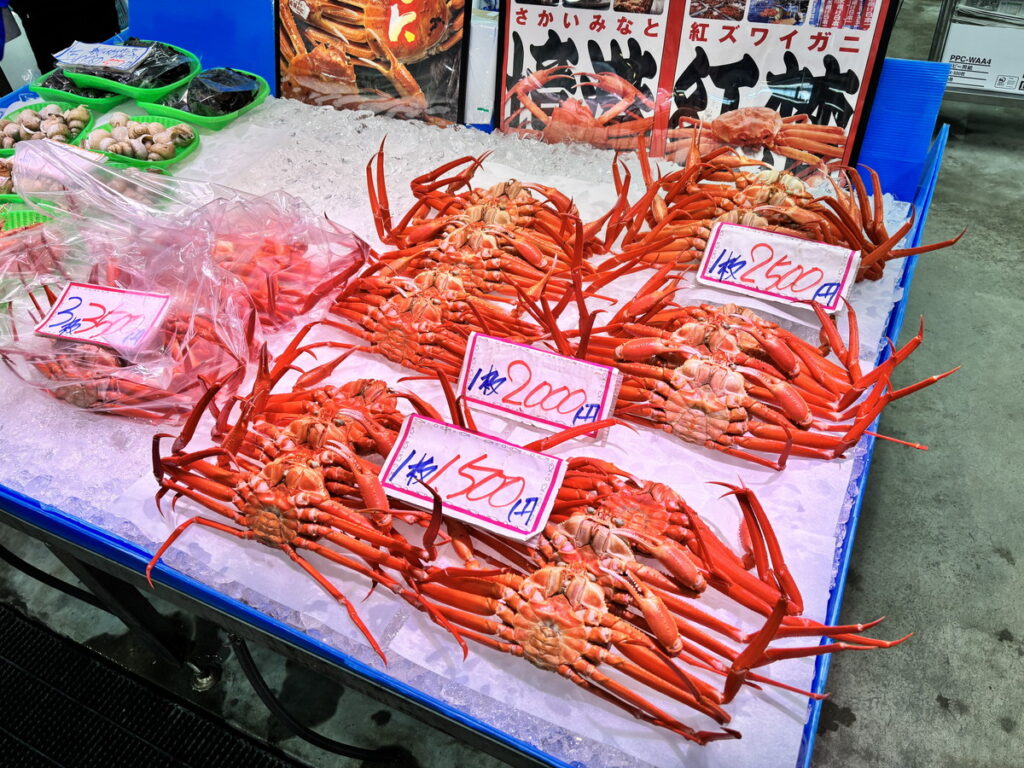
[(110, 317), (777, 267), (544, 387), (482, 480), (608, 71), (121, 58), (985, 58)]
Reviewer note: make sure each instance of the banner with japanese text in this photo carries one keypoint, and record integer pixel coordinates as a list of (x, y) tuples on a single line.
[(786, 81)]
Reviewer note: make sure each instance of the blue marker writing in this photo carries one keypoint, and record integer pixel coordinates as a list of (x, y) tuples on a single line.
[(726, 265), (70, 323), (826, 292), (418, 471), (586, 414), (490, 382), (524, 508)]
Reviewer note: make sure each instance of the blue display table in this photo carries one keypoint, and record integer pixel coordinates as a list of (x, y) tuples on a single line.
[(914, 154)]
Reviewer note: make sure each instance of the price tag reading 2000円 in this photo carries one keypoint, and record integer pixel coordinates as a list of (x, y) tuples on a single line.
[(481, 480), (552, 390)]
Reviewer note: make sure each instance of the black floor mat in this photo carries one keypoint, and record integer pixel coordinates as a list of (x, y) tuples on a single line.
[(63, 705)]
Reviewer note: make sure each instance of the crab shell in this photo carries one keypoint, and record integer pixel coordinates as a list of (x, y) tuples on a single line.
[(748, 127)]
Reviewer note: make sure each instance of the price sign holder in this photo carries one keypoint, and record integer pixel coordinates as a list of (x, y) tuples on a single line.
[(777, 267), (110, 317), (543, 387), (482, 480)]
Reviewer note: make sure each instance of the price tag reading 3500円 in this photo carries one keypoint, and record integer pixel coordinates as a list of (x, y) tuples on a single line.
[(777, 267), (544, 387), (481, 480), (110, 317)]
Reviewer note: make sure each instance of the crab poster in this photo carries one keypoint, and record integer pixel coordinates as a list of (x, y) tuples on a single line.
[(398, 57), (583, 70), (786, 81)]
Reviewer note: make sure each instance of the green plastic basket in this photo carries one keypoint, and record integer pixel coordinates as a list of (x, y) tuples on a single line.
[(216, 122), (65, 105), (181, 154), (139, 94), (14, 213), (98, 104)]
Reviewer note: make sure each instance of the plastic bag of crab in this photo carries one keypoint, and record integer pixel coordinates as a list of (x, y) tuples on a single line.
[(6, 176), (287, 257), (162, 320), (50, 122), (140, 140)]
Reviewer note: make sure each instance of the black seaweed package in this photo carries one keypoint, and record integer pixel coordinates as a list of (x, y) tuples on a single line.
[(220, 91), (61, 82)]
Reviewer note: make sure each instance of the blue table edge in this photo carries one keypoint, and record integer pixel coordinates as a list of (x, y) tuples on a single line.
[(922, 202)]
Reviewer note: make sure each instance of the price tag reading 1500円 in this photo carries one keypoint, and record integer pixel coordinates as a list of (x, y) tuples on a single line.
[(777, 267), (481, 480), (544, 387)]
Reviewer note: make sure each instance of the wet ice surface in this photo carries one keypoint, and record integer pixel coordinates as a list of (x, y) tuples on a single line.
[(102, 473)]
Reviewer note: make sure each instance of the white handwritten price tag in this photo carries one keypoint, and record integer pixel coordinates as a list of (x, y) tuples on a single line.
[(544, 387), (481, 480), (110, 317), (123, 58), (777, 267)]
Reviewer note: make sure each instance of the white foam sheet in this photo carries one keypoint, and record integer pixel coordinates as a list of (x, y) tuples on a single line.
[(63, 456)]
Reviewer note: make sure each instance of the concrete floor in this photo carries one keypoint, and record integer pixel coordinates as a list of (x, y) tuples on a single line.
[(939, 548)]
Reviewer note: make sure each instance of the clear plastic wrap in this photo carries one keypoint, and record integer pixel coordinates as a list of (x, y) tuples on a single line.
[(286, 257), (122, 317)]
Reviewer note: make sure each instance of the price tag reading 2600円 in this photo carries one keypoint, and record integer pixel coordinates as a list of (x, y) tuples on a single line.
[(481, 480), (777, 267), (110, 317), (544, 387)]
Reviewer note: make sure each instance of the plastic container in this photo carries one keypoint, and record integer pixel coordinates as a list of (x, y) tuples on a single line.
[(139, 94), (65, 105), (97, 104), (15, 213), (214, 123), (179, 155)]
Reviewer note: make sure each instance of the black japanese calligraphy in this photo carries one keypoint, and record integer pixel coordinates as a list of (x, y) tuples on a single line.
[(634, 68), (796, 91), (691, 95)]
